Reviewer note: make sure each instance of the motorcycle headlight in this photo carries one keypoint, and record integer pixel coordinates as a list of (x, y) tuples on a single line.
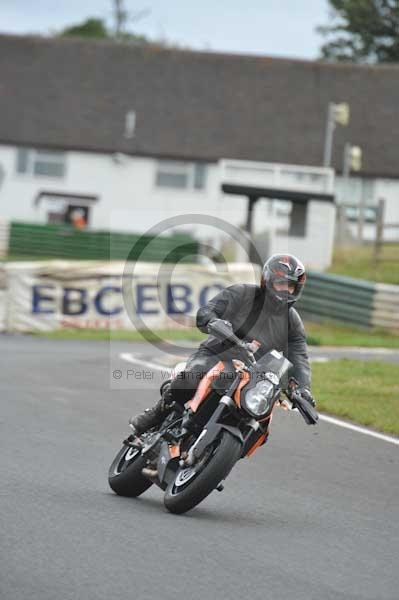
[(257, 400)]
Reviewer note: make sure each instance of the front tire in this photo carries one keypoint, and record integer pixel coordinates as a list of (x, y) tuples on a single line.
[(124, 475), (181, 497)]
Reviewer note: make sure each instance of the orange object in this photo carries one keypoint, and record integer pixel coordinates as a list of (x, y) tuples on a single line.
[(237, 393), (78, 219), (268, 418), (174, 451), (79, 222), (258, 443), (204, 386)]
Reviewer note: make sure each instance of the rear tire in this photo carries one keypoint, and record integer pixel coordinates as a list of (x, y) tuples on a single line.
[(180, 499), (124, 475)]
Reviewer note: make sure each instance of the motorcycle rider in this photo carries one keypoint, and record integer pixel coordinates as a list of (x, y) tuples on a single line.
[(264, 313)]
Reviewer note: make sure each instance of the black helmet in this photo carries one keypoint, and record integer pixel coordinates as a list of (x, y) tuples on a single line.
[(283, 268)]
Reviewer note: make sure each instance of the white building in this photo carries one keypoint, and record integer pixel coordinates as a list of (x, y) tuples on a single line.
[(126, 193), (132, 136)]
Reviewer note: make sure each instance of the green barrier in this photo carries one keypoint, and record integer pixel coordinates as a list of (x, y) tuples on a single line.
[(62, 241), (339, 298)]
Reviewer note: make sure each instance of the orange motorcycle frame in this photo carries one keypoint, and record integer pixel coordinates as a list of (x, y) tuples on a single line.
[(204, 389)]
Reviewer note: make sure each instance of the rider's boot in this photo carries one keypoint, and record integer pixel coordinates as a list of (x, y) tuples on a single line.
[(153, 416)]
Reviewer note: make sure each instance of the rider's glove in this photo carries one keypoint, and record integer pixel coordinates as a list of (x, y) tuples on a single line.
[(166, 395), (306, 395), (295, 388), (229, 325)]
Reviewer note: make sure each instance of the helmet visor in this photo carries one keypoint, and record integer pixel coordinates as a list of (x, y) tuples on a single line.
[(287, 288)]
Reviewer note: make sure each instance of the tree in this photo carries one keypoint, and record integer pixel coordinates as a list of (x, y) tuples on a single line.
[(95, 28), (362, 31), (123, 16), (91, 28)]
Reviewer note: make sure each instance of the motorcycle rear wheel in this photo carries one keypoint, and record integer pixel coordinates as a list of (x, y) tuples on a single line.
[(124, 475), (213, 467)]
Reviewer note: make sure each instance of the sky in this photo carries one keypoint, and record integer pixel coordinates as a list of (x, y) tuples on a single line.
[(268, 27)]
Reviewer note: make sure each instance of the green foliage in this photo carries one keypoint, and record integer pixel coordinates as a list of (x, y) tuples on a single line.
[(94, 28), (132, 38), (91, 28), (362, 31)]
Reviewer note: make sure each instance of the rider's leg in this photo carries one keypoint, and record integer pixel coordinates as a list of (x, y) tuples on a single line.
[(180, 390), (183, 387)]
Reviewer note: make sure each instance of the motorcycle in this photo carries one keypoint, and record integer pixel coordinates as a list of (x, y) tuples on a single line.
[(227, 419)]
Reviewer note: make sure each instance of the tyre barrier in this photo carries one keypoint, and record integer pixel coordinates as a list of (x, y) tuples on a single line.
[(351, 301)]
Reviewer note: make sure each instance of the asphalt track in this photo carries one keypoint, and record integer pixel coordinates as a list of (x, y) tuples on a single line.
[(312, 515)]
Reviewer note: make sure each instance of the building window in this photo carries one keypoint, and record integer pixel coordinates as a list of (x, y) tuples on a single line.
[(47, 163), (181, 175), (199, 176), (353, 213)]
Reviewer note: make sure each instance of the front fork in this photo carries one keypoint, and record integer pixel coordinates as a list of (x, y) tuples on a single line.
[(212, 430), (255, 437)]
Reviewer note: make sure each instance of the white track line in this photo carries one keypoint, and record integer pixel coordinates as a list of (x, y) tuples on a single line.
[(370, 432), (128, 357), (358, 349), (319, 359)]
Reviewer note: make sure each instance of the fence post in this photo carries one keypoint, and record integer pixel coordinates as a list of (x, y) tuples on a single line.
[(379, 234), (361, 218), (4, 237)]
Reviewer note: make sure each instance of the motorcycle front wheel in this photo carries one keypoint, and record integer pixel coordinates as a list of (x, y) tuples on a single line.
[(191, 485), (124, 475)]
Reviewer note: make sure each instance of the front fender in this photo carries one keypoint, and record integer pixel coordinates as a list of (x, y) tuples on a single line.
[(167, 466)]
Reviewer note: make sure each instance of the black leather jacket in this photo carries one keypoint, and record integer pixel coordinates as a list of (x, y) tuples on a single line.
[(254, 316)]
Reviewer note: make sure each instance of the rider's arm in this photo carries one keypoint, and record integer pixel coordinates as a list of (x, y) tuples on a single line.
[(222, 306), (298, 350)]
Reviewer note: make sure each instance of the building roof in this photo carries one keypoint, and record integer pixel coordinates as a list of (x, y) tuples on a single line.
[(74, 94)]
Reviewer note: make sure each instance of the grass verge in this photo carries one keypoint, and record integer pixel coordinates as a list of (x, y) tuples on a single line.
[(122, 335), (326, 334), (358, 262), (364, 392), (332, 334)]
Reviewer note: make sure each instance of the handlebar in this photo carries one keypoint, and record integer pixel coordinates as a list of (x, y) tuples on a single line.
[(222, 329), (306, 410), (248, 353)]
